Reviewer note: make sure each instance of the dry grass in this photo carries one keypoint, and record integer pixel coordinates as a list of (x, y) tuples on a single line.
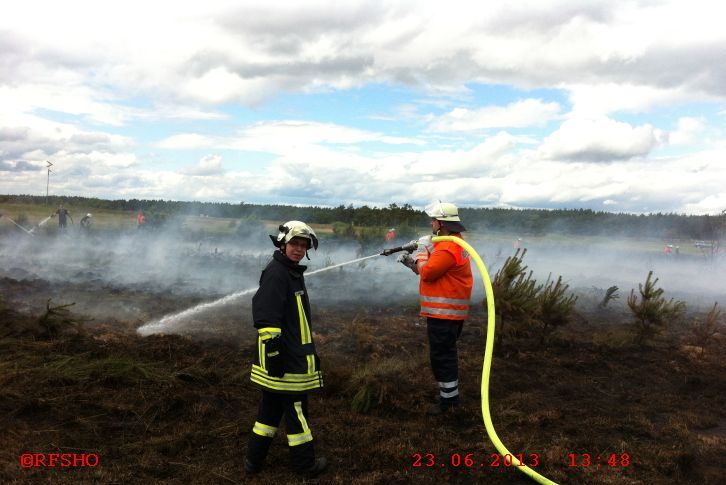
[(102, 219), (171, 410)]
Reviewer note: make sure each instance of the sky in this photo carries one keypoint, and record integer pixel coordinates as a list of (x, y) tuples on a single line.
[(611, 106)]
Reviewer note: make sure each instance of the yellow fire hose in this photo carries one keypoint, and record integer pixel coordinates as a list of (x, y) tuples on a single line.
[(486, 369)]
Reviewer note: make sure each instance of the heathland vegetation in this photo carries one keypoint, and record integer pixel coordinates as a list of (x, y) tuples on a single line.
[(574, 373)]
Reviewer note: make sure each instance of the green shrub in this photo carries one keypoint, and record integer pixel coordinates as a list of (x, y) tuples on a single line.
[(343, 229), (705, 329), (407, 232), (58, 319), (371, 235), (515, 293), (652, 312), (555, 307), (248, 225), (610, 294), (520, 300)]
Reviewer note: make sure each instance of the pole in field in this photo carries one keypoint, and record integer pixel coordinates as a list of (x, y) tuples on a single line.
[(47, 183)]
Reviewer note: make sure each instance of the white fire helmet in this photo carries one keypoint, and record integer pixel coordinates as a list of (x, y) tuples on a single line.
[(443, 211), (293, 229), (88, 215)]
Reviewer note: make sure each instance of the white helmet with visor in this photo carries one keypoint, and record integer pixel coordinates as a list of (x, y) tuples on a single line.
[(443, 211), (292, 229)]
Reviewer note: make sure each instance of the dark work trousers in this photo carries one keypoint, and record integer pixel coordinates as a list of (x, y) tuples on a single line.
[(300, 440), (443, 335)]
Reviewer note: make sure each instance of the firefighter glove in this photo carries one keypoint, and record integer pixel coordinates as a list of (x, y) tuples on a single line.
[(406, 260), (273, 357)]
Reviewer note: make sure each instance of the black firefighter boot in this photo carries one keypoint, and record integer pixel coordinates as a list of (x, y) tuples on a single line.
[(443, 406), (304, 462), (257, 448)]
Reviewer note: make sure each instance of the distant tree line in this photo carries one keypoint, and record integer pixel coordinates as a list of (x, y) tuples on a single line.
[(526, 222), (589, 222)]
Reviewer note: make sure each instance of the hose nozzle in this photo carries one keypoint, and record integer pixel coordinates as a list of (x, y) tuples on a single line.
[(410, 247)]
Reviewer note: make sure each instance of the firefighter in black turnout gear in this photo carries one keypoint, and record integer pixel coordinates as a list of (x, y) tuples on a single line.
[(286, 366)]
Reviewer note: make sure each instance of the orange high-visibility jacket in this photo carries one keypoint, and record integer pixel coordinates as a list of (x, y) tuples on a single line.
[(446, 282)]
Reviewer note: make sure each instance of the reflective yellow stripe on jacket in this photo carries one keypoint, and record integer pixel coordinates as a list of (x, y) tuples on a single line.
[(289, 382), (305, 333), (306, 336), (264, 334)]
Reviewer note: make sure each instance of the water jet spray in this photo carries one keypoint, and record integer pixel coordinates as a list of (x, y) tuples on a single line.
[(44, 221), (21, 227), (167, 322)]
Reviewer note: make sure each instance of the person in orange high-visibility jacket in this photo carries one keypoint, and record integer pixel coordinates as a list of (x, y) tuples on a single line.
[(445, 290)]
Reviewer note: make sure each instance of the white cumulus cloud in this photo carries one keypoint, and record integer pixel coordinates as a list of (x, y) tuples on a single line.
[(599, 140), (519, 114)]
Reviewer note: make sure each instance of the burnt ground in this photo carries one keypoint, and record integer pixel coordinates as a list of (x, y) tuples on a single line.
[(179, 409)]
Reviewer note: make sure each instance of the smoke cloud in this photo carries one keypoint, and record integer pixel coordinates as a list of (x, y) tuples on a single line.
[(137, 278)]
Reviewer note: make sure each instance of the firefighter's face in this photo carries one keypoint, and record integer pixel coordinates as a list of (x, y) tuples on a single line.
[(295, 249), (435, 225)]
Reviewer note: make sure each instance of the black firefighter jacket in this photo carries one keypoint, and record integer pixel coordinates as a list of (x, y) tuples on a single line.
[(281, 308)]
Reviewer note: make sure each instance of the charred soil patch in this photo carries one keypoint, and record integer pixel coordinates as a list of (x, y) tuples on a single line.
[(171, 409)]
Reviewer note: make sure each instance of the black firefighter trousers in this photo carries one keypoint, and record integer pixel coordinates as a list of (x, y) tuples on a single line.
[(443, 335), (299, 437)]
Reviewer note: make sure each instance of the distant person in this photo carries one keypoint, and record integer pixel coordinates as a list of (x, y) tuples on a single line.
[(140, 220), (391, 234), (62, 214), (445, 289), (668, 249), (678, 251), (517, 243), (286, 366), (86, 222)]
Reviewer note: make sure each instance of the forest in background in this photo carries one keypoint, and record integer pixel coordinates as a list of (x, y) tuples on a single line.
[(523, 221)]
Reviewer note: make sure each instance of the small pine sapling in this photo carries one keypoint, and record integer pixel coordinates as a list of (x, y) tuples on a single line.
[(652, 311)]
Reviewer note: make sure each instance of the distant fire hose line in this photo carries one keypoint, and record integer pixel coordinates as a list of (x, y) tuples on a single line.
[(486, 369), (166, 323), (32, 231), (44, 221), (21, 227)]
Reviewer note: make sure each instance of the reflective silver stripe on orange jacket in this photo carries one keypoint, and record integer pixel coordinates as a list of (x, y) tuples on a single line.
[(441, 299), (443, 311)]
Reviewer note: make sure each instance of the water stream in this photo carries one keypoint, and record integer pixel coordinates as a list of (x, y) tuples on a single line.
[(21, 227), (168, 323)]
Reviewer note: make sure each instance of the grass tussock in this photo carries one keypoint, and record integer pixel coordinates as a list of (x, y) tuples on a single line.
[(108, 370), (379, 381)]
